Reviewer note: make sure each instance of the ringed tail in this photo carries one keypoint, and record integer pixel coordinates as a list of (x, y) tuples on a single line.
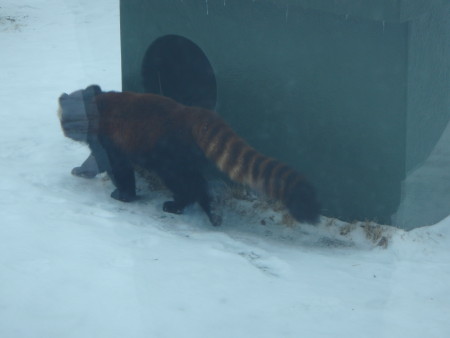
[(243, 164)]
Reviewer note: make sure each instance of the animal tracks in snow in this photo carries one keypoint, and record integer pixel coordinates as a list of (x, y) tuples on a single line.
[(271, 266)]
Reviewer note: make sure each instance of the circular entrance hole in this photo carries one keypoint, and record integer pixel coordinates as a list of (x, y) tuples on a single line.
[(176, 67)]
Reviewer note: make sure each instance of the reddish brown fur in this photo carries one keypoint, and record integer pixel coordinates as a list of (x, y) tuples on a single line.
[(136, 122)]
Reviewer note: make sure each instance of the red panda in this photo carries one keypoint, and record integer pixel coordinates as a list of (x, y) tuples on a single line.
[(125, 129)]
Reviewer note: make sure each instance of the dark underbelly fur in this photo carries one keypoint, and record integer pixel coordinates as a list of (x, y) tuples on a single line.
[(180, 167)]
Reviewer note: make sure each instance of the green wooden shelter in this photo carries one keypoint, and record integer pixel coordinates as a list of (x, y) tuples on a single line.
[(355, 94)]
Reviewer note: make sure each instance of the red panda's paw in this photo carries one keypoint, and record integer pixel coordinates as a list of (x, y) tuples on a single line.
[(123, 196), (83, 172), (172, 207), (88, 169), (215, 219)]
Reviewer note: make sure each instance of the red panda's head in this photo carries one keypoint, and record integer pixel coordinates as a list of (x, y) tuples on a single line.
[(76, 112)]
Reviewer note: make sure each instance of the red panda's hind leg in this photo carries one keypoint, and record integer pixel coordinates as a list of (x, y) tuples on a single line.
[(188, 186), (173, 207), (204, 201)]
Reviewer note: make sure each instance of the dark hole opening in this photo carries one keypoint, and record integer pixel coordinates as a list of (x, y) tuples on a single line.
[(174, 66)]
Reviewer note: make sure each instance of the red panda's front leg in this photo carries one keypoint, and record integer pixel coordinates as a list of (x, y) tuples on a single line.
[(89, 168), (123, 179), (121, 172)]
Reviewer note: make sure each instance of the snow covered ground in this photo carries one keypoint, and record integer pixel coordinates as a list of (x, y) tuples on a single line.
[(76, 263)]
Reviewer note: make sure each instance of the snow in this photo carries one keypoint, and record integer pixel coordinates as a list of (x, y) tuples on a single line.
[(76, 263)]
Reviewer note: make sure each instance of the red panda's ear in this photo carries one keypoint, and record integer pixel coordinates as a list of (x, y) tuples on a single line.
[(93, 90), (63, 97)]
